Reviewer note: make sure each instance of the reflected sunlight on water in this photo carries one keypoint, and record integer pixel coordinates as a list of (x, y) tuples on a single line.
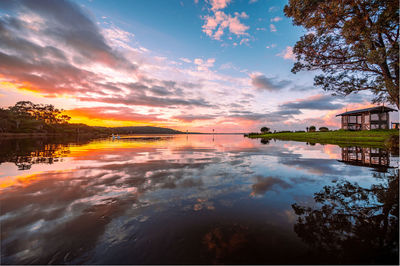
[(191, 199)]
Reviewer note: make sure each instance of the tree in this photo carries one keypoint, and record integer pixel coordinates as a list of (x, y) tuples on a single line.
[(312, 128), (265, 130), (355, 43), (323, 129)]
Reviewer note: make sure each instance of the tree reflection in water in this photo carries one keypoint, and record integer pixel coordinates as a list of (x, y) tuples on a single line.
[(353, 224), (26, 152)]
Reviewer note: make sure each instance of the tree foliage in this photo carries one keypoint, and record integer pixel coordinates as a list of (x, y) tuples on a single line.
[(26, 116), (264, 130), (355, 43)]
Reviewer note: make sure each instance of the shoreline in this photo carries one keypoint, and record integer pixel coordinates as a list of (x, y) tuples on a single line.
[(339, 137)]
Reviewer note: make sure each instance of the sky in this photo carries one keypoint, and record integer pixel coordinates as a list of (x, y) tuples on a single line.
[(193, 65)]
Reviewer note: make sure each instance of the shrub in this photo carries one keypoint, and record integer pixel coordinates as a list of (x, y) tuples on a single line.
[(323, 129), (312, 129)]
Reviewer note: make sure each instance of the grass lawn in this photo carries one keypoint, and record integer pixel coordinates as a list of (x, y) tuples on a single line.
[(341, 137)]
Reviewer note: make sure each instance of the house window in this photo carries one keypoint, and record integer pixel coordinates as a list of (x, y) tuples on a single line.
[(383, 116), (374, 126), (353, 119), (359, 119), (366, 118), (374, 117)]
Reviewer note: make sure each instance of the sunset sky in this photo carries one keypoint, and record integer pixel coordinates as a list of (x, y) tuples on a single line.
[(187, 64)]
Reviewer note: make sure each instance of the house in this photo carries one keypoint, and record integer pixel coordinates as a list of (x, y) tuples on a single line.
[(367, 119)]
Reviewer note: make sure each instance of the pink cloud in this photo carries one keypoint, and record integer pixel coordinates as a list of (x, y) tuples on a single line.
[(287, 53), (204, 65), (276, 19), (272, 28), (215, 25), (219, 4)]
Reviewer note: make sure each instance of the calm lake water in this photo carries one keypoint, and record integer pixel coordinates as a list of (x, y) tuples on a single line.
[(196, 199)]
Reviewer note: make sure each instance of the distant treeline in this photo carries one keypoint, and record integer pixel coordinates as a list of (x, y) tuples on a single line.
[(27, 117)]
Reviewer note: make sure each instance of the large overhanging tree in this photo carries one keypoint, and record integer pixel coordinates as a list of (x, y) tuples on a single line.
[(355, 43)]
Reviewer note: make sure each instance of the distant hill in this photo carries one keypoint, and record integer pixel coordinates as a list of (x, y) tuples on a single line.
[(144, 130)]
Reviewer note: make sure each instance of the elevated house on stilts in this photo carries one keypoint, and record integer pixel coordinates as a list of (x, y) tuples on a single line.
[(367, 119)]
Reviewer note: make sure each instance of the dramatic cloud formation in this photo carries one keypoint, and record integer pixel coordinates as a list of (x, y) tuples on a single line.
[(56, 51)]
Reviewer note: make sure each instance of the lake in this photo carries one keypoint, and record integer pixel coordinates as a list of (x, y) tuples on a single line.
[(196, 199)]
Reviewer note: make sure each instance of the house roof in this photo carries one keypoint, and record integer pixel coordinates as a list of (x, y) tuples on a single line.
[(377, 108)]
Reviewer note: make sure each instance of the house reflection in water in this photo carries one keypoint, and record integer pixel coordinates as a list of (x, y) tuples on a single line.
[(377, 158)]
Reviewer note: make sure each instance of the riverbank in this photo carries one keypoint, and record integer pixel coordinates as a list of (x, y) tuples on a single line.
[(339, 137)]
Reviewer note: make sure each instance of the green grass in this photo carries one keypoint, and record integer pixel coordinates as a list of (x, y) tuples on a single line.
[(340, 137)]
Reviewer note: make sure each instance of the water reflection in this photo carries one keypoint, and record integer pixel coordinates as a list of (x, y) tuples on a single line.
[(26, 152), (169, 199), (365, 156), (353, 224)]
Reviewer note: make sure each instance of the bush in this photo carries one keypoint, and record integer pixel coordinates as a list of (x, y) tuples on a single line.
[(312, 129), (299, 131), (323, 129)]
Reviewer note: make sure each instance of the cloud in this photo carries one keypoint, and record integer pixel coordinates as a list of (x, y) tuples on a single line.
[(273, 9), (216, 24), (186, 60), (41, 52), (276, 19), (287, 53), (317, 102), (204, 65), (191, 118), (261, 82), (244, 41), (272, 28), (252, 1), (219, 4)]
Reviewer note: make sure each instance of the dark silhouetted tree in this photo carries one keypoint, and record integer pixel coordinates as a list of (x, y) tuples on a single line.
[(264, 130)]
